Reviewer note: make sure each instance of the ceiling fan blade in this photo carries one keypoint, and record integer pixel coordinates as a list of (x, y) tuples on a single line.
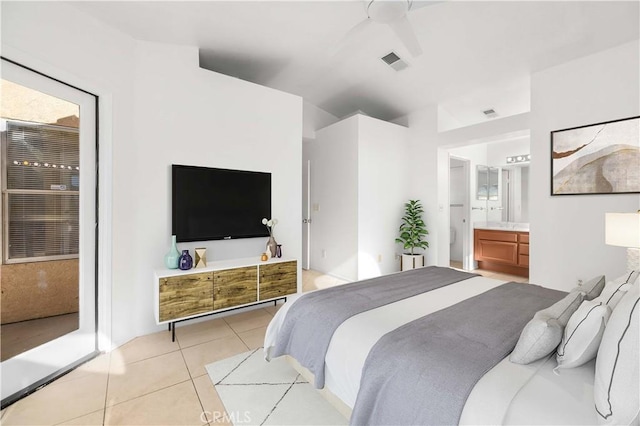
[(351, 36), (403, 29)]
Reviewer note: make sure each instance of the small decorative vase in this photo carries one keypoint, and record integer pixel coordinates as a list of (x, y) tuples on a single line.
[(272, 246), (171, 259), (279, 250), (186, 261)]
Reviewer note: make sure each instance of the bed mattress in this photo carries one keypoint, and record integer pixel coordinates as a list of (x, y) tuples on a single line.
[(509, 393)]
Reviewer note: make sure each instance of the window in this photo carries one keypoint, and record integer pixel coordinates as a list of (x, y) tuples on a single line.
[(41, 191)]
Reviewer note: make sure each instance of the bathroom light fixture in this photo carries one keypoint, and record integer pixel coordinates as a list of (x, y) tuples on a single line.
[(623, 230), (519, 159)]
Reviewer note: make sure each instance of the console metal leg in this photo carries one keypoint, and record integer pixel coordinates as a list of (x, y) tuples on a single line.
[(173, 332)]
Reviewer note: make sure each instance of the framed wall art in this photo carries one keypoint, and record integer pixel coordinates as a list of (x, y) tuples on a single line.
[(602, 158)]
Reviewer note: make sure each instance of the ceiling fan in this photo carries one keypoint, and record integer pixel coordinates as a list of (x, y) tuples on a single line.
[(387, 12)]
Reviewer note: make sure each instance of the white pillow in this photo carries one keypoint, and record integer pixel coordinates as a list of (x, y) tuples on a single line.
[(584, 331), (616, 388), (543, 333), (582, 336), (614, 290)]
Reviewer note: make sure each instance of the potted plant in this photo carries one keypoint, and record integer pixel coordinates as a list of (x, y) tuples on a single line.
[(412, 233)]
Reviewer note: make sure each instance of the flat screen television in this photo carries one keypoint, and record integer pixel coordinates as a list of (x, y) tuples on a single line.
[(219, 204)]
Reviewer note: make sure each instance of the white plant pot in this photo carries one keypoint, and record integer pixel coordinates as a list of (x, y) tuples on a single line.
[(412, 261)]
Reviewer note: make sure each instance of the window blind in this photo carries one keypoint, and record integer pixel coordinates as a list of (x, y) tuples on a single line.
[(42, 184)]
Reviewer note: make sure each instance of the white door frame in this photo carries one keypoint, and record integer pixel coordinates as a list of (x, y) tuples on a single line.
[(45, 362), (306, 217)]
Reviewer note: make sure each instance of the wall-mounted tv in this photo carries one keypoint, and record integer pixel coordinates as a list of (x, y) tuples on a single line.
[(216, 204)]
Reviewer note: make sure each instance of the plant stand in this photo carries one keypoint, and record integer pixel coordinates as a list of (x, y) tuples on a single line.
[(412, 261)]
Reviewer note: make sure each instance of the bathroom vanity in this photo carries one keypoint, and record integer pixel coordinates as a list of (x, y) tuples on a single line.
[(502, 247)]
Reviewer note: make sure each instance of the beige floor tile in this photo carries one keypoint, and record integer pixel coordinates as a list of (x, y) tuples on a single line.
[(175, 405), (248, 320), (205, 353), (314, 280), (455, 264), (273, 309), (128, 381), (94, 419), (98, 365), (144, 347), (201, 332), (210, 401), (488, 274), (59, 402), (253, 338)]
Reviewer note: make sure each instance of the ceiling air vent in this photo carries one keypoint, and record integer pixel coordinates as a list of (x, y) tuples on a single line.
[(394, 61), (490, 113)]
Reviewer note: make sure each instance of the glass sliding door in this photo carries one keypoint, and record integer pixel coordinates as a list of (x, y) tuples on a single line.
[(49, 228)]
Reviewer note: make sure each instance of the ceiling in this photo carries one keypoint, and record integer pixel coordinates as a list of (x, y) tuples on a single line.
[(477, 54)]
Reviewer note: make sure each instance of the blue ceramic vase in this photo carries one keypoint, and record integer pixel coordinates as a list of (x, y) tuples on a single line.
[(186, 261), (171, 259)]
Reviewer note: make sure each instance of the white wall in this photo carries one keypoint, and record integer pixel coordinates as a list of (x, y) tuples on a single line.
[(314, 118), (423, 180), (383, 190), (334, 199), (567, 232), (498, 152), (359, 181), (189, 115), (158, 108)]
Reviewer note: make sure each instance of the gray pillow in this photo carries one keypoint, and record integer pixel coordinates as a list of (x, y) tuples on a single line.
[(564, 308), (539, 338), (592, 288), (542, 335)]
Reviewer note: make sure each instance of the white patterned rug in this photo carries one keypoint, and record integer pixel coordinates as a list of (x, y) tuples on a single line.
[(257, 392)]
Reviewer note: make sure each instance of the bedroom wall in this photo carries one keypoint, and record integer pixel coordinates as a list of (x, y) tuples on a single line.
[(189, 115), (359, 184), (157, 107), (383, 189), (567, 240), (334, 199)]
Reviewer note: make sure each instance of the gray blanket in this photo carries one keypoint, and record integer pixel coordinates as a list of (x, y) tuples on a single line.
[(310, 322), (422, 373)]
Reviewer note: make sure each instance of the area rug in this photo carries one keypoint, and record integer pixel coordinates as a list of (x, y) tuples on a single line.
[(257, 392)]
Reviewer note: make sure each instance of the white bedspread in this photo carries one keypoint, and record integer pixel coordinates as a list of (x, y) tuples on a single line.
[(507, 394), (353, 340)]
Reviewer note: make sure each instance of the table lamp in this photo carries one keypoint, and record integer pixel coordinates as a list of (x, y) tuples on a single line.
[(623, 230)]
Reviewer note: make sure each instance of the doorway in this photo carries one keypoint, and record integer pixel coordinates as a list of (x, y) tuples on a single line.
[(49, 229), (459, 213)]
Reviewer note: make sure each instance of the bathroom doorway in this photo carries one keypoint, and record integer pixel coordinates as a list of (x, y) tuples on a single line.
[(459, 213)]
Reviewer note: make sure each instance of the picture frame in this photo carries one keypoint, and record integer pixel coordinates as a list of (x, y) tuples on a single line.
[(601, 158)]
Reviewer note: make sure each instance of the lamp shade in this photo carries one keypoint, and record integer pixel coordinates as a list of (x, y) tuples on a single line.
[(622, 229)]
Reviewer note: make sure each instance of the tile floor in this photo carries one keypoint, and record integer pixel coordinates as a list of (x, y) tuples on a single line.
[(152, 380), (21, 336), (491, 274)]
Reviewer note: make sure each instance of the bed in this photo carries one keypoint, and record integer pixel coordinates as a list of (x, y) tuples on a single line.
[(507, 393)]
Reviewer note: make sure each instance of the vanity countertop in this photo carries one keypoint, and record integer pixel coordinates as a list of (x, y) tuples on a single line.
[(502, 226)]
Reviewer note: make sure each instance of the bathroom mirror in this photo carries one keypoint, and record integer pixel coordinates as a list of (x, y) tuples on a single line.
[(482, 182), (487, 185), (493, 183)]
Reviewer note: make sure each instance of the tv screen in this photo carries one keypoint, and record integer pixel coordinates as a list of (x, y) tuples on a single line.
[(216, 204)]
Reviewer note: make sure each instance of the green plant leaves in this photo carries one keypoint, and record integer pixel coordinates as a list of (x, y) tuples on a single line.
[(413, 229)]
